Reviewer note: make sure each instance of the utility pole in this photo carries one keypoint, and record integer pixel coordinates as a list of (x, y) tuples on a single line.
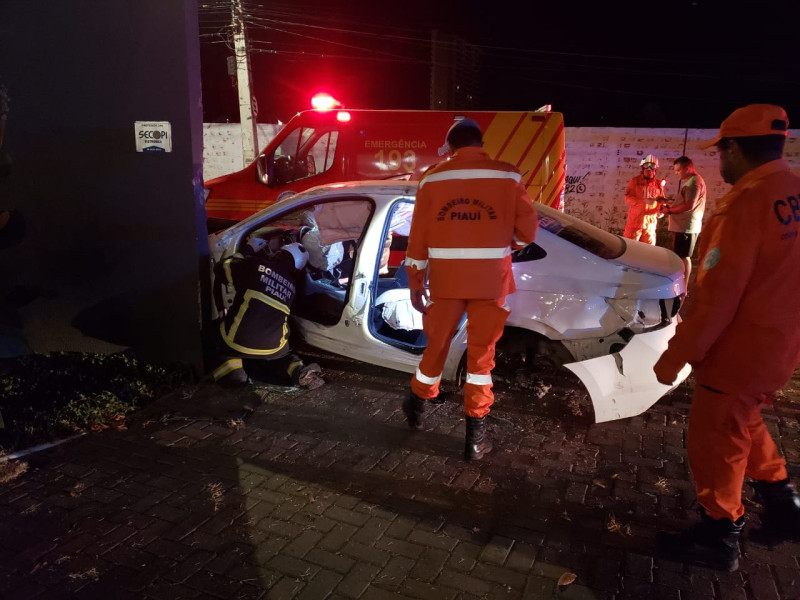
[(244, 82)]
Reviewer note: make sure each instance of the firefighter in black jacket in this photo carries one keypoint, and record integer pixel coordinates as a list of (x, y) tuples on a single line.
[(254, 335)]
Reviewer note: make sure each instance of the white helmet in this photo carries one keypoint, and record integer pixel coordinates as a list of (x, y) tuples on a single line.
[(649, 160), (298, 253)]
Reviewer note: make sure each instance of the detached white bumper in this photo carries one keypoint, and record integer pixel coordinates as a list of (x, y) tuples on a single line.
[(623, 384)]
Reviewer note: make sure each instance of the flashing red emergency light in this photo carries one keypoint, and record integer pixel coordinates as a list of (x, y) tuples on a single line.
[(324, 101), (343, 116)]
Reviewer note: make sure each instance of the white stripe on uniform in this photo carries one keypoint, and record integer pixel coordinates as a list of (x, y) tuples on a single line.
[(469, 252), (476, 379), (427, 380), (421, 265), (471, 174)]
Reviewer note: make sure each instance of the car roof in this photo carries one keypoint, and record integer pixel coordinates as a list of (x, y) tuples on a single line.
[(364, 187)]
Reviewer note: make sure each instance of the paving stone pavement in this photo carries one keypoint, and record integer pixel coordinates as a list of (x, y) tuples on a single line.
[(327, 494)]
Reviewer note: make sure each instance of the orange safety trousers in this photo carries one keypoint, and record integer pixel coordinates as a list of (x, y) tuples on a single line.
[(643, 233), (728, 440), (485, 321)]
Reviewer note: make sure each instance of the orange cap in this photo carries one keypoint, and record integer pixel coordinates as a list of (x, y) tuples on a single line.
[(752, 120)]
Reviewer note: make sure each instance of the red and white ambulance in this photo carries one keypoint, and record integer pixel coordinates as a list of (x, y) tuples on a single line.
[(319, 147)]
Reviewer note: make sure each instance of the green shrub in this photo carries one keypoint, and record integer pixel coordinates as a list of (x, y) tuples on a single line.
[(95, 412), (47, 396)]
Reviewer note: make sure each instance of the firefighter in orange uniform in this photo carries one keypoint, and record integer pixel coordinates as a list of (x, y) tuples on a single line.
[(470, 212), (643, 195), (742, 337)]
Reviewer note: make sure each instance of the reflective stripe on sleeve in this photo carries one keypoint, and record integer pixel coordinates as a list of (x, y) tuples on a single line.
[(427, 380), (469, 252), (476, 379), (471, 174), (420, 265)]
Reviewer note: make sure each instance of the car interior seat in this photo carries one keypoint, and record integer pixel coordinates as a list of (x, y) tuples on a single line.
[(395, 290)]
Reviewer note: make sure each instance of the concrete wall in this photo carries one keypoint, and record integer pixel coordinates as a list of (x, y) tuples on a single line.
[(600, 161), (114, 239), (222, 147)]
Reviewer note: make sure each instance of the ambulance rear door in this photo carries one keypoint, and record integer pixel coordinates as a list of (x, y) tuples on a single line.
[(403, 144), (534, 143)]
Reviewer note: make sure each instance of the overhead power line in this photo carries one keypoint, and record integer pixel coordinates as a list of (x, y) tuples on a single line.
[(299, 35)]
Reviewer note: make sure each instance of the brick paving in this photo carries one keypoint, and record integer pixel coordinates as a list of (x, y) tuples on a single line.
[(327, 494)]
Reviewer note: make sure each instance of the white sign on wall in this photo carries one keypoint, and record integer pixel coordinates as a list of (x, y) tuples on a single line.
[(153, 136)]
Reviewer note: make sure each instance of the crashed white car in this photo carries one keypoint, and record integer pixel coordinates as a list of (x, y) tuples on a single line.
[(602, 306)]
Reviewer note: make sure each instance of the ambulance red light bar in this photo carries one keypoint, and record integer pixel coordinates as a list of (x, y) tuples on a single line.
[(324, 101)]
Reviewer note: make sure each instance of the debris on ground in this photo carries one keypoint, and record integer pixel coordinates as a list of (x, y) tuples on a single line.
[(615, 526), (541, 388), (88, 574), (12, 469), (216, 493), (566, 579), (77, 489)]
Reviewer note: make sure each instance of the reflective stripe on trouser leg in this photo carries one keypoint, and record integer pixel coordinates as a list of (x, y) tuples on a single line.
[(425, 380), (485, 321), (727, 439), (479, 379), (295, 362), (648, 235), (440, 326), (232, 365)]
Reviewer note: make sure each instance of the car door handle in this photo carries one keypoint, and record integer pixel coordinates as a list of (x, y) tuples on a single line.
[(360, 288)]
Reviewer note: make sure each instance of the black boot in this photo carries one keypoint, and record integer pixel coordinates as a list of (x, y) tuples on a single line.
[(780, 521), (413, 407), (477, 443), (712, 543)]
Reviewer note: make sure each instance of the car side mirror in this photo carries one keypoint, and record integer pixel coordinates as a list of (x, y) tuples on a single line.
[(264, 169), (532, 251)]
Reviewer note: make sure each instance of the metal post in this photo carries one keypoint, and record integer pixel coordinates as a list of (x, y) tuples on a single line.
[(246, 117)]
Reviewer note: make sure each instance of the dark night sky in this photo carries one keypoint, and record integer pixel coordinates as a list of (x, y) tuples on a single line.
[(679, 64)]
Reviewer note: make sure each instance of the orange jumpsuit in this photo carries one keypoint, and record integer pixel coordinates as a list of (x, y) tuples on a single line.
[(741, 335), (640, 195), (469, 212)]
